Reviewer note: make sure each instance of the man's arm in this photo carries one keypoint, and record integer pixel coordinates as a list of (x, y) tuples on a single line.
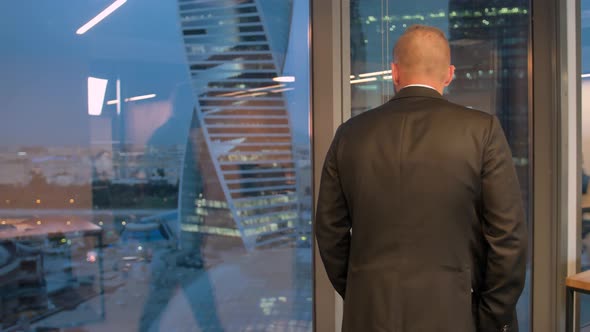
[(505, 231), (332, 222)]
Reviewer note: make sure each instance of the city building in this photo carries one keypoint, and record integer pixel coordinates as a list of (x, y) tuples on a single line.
[(239, 176), (489, 47)]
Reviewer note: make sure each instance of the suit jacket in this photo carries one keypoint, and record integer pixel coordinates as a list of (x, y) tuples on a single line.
[(420, 222)]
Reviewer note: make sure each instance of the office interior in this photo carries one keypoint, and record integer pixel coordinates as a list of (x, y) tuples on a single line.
[(159, 160)]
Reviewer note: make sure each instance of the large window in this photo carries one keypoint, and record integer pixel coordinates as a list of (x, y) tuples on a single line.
[(155, 166), (585, 135), (490, 48)]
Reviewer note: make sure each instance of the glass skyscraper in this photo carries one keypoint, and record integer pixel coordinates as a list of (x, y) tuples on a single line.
[(239, 177)]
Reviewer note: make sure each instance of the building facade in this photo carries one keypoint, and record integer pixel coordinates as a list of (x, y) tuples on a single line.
[(239, 176)]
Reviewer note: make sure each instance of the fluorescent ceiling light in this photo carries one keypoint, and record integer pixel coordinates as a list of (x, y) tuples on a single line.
[(101, 16), (118, 92), (387, 77), (282, 90), (585, 75), (97, 87), (153, 95), (375, 73), (285, 79), (112, 102), (352, 76), (363, 80)]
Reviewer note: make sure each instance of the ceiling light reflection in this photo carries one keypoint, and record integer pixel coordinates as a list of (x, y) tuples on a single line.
[(375, 73), (284, 79), (282, 90), (101, 16), (97, 88), (136, 98), (363, 80)]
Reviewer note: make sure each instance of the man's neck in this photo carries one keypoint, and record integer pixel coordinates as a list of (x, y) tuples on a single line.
[(422, 86)]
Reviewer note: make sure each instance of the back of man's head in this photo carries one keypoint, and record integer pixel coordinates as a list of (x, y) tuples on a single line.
[(422, 55)]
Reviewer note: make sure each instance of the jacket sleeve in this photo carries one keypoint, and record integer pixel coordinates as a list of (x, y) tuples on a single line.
[(332, 222), (505, 232)]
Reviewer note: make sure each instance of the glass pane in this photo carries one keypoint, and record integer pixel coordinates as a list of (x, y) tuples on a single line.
[(489, 47), (585, 133), (155, 168)]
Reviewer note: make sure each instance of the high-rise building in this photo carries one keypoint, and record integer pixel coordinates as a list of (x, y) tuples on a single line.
[(239, 175), (489, 46), (491, 41), (375, 26)]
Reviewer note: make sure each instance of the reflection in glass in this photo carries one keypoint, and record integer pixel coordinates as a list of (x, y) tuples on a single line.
[(585, 141), (155, 176), (489, 47)]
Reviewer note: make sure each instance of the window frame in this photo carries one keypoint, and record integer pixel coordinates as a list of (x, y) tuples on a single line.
[(553, 128)]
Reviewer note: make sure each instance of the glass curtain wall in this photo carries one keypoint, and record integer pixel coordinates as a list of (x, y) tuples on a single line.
[(490, 49), (585, 146), (155, 166)]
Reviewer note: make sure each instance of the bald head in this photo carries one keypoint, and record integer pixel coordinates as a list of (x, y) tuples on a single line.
[(422, 56)]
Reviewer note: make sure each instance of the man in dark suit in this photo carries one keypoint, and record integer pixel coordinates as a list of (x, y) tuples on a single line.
[(420, 222)]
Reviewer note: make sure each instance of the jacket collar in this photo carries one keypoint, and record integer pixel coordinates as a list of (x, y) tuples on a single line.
[(417, 91)]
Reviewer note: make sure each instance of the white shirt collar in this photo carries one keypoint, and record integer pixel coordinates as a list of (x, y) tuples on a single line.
[(420, 85)]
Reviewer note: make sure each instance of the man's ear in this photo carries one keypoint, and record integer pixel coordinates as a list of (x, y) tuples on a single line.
[(395, 74), (450, 75)]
